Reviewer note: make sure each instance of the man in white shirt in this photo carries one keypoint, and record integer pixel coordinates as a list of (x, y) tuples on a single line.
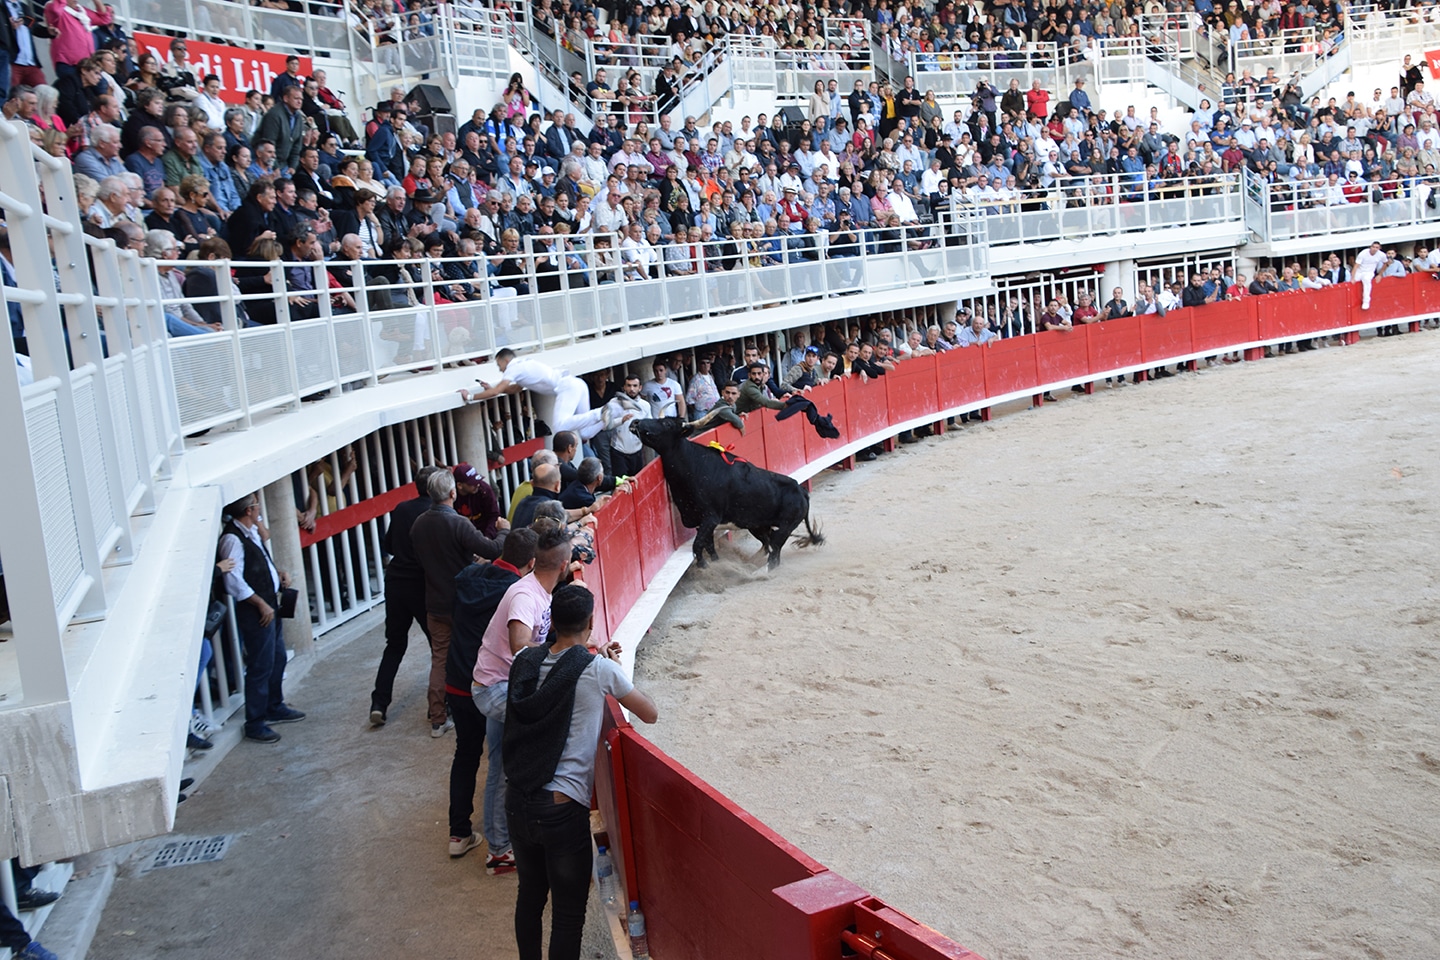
[(608, 216), (626, 455), (572, 397), (1367, 265), (664, 393), (1170, 297)]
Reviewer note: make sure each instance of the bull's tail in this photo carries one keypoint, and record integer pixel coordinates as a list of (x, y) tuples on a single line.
[(813, 536)]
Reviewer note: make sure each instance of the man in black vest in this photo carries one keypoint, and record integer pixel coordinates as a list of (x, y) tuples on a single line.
[(255, 585), (404, 594), (554, 708)]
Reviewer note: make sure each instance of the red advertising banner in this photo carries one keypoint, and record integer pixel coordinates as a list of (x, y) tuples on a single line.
[(1432, 59), (239, 69)]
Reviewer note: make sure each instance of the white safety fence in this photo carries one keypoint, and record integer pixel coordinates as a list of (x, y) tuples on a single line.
[(1103, 205), (394, 316), (1295, 210), (955, 75), (90, 421)]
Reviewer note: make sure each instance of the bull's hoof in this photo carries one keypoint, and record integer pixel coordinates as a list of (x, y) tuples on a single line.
[(700, 560), (774, 560), (713, 554)]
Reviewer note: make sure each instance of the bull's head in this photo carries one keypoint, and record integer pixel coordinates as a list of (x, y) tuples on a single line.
[(661, 434)]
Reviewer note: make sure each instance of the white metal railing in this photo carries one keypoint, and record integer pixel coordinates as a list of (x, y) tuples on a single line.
[(323, 30), (1103, 205), (474, 42), (90, 436), (1317, 208), (1175, 31), (797, 71), (1290, 52), (1378, 36), (542, 297), (955, 75)]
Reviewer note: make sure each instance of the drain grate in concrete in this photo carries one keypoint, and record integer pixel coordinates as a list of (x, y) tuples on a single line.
[(178, 853)]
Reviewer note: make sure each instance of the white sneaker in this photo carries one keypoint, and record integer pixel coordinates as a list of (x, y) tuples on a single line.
[(201, 727), (440, 729), (459, 846)]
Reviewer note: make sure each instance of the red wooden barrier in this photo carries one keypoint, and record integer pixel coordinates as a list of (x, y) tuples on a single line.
[(1427, 294), (911, 389), (1115, 343), (1336, 306), (593, 576), (1286, 314), (865, 408), (1063, 354), (617, 546), (962, 376), (1010, 366), (706, 869), (1391, 298), (654, 535), (1221, 326), (1167, 336), (784, 439), (830, 399)]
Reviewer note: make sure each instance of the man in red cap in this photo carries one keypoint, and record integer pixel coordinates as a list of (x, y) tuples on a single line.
[(475, 499)]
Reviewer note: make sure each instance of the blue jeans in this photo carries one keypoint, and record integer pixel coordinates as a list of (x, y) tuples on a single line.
[(264, 665), (179, 328), (552, 859), (4, 72), (491, 702)]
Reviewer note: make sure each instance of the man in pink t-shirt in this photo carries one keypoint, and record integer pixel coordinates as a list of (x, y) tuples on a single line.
[(521, 620)]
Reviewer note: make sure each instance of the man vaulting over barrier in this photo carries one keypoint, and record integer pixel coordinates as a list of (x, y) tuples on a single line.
[(572, 397)]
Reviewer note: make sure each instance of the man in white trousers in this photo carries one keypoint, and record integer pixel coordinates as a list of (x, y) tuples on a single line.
[(572, 397), (1367, 265)]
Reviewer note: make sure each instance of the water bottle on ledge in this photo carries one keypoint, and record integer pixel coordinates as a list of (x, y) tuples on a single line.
[(639, 942), (605, 878)]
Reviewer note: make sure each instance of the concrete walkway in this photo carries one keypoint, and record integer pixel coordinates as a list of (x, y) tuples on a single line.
[(340, 841)]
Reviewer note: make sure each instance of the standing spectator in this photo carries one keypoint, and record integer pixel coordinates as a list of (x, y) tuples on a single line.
[(255, 586), (71, 39), (521, 619), (554, 710), (18, 62), (479, 589), (702, 393), (284, 126), (626, 451), (404, 593), (445, 543), (475, 499), (666, 397)]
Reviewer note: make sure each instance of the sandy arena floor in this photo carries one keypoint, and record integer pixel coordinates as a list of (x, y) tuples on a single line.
[(1152, 673)]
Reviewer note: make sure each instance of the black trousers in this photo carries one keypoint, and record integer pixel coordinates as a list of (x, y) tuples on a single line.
[(12, 931), (626, 464), (551, 843), (404, 602), (465, 767)]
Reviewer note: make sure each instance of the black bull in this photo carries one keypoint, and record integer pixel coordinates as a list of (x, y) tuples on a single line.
[(709, 488)]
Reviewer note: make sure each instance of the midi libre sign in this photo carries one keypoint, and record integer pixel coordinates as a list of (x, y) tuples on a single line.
[(239, 69)]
